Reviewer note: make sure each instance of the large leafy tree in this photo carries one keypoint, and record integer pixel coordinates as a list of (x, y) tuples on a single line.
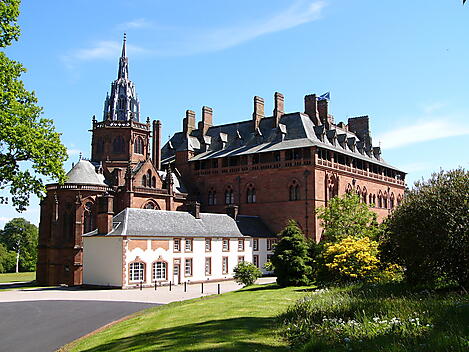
[(429, 232), (29, 145), (290, 259), (21, 237), (347, 217), (7, 259)]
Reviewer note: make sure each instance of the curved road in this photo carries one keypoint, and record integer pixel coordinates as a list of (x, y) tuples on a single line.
[(42, 326)]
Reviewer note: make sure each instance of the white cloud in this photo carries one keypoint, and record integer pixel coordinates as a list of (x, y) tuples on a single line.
[(424, 131), (73, 152), (432, 107), (136, 23)]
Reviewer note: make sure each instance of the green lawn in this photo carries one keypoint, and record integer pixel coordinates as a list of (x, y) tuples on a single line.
[(17, 277), (235, 321)]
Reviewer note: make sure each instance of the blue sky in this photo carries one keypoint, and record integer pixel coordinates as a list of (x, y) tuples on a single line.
[(403, 63)]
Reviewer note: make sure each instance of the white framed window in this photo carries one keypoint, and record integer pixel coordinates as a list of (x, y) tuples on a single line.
[(136, 272), (208, 245), (188, 245), (177, 245), (188, 267), (226, 244), (255, 260), (159, 271), (241, 244), (224, 265), (255, 244), (271, 243), (208, 266)]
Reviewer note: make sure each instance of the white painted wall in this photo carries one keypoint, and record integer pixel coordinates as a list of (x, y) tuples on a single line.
[(262, 252), (198, 256), (102, 261)]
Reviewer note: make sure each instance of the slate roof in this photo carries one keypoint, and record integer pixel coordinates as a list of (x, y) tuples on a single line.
[(149, 223), (84, 172), (253, 226), (296, 130)]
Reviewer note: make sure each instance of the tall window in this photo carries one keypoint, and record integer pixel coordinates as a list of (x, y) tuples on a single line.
[(380, 200), (188, 245), (137, 271), (188, 267), (255, 260), (255, 244), (251, 194), (364, 197), (294, 191), (212, 197), (138, 145), (88, 218), (144, 180), (208, 245), (391, 201), (241, 244), (118, 145), (271, 243), (385, 201), (208, 266), (226, 244), (177, 245), (159, 271), (229, 195), (153, 182), (224, 265), (100, 145)]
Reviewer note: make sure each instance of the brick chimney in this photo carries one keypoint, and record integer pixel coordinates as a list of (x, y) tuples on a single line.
[(323, 111), (194, 209), (279, 107), (156, 144), (258, 113), (361, 127), (232, 211), (311, 108), (207, 120), (188, 123), (105, 213)]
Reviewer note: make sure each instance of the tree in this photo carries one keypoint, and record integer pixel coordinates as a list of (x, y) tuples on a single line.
[(429, 232), (25, 138), (290, 259), (7, 259), (347, 217), (21, 237), (246, 273)]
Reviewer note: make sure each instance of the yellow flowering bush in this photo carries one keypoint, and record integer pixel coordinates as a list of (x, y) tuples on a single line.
[(353, 258)]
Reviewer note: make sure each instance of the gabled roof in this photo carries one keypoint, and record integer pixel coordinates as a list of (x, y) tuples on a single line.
[(150, 223), (84, 172)]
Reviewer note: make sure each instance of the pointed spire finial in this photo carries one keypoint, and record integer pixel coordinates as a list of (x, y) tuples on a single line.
[(124, 54)]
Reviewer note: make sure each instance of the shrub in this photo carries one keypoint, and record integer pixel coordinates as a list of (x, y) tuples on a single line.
[(290, 259), (353, 259), (428, 233), (246, 273)]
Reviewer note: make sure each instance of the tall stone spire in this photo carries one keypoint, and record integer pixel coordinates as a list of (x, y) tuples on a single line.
[(122, 104)]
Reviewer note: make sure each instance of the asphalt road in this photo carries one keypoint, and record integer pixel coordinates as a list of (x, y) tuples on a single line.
[(43, 326)]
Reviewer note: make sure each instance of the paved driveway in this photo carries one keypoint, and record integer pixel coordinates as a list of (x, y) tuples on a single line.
[(42, 326)]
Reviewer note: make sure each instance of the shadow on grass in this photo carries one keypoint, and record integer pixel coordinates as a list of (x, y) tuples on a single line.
[(228, 335), (14, 285), (265, 287)]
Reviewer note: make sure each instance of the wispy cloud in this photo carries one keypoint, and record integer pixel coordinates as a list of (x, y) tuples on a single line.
[(136, 23), (74, 152), (423, 131)]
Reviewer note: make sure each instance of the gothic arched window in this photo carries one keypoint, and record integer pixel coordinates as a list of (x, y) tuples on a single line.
[(144, 180), (138, 145), (251, 194), (391, 201), (385, 200), (118, 145), (229, 195), (212, 197), (380, 200), (153, 182), (294, 191), (364, 195), (88, 217), (149, 205)]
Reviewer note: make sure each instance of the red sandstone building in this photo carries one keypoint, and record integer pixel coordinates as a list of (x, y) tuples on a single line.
[(274, 168)]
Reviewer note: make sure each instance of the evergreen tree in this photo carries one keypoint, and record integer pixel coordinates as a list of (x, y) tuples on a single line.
[(290, 259)]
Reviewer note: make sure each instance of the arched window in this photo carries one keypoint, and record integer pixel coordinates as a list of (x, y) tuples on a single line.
[(137, 272), (364, 198), (348, 190), (121, 103), (88, 217), (358, 192), (374, 199), (144, 180), (229, 195), (153, 182), (391, 201), (385, 200), (149, 205), (138, 145), (294, 191), (159, 271), (380, 200), (118, 145), (212, 197), (370, 199), (399, 199), (251, 194)]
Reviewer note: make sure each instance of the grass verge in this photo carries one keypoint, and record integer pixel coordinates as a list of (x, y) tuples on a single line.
[(236, 321), (17, 277)]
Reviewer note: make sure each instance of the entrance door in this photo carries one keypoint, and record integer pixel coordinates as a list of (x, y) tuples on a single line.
[(176, 274)]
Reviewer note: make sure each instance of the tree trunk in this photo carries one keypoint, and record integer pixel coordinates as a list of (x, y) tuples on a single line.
[(17, 260)]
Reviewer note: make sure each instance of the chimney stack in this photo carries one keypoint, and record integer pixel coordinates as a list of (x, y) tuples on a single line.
[(207, 120), (105, 213), (195, 209), (188, 123), (156, 144), (323, 112), (279, 107), (258, 113), (232, 211), (311, 108)]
